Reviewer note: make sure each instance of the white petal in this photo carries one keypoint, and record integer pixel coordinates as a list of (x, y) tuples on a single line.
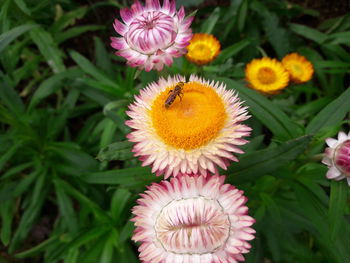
[(333, 172), (331, 142)]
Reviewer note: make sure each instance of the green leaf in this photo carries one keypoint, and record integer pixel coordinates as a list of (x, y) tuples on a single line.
[(337, 205), (51, 85), (242, 14), (93, 254), (39, 248), (260, 163), (69, 19), (340, 38), (88, 235), (232, 50), (128, 177), (277, 35), (108, 134), (75, 31), (23, 6), (31, 212), (119, 200), (8, 155), (313, 208), (76, 158), (7, 37), (116, 151), (15, 170), (113, 111), (107, 252), (209, 24), (309, 33), (7, 210), (90, 69), (312, 107), (267, 112), (84, 200), (103, 60), (48, 48), (331, 115), (10, 97), (66, 209), (126, 231), (332, 64)]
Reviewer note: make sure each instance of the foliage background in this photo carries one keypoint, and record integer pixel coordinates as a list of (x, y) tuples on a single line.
[(68, 179)]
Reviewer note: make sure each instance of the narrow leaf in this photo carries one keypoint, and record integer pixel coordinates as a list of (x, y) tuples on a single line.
[(232, 50), (48, 48), (209, 24), (116, 151), (267, 112), (7, 37), (309, 33), (128, 177), (337, 205), (259, 163), (332, 114)]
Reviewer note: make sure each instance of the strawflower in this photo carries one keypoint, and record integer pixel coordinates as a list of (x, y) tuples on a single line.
[(152, 35), (337, 157), (198, 132), (203, 48), (192, 219), (299, 68), (266, 75)]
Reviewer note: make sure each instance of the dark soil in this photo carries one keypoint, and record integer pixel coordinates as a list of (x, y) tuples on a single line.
[(327, 9)]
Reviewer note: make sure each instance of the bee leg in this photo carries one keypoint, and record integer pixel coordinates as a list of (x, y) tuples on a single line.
[(181, 95), (170, 91)]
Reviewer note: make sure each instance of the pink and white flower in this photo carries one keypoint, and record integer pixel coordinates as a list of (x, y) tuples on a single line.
[(337, 157), (152, 35), (199, 132), (192, 219)]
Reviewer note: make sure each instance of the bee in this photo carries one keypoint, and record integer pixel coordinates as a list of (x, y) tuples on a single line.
[(177, 91)]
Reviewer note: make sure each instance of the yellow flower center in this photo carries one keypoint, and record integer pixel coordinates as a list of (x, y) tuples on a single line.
[(192, 121), (297, 70), (201, 51), (266, 75)]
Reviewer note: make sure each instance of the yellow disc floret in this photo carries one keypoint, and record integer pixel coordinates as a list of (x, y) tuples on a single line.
[(266, 75), (203, 48), (189, 122), (299, 68)]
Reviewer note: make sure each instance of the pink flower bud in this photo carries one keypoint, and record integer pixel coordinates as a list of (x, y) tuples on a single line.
[(337, 157), (152, 35)]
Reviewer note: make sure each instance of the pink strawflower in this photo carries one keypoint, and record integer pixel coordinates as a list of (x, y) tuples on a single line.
[(192, 219), (152, 35), (337, 157), (199, 132)]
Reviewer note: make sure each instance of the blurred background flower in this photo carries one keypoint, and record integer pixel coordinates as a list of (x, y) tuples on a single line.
[(266, 75), (299, 68), (195, 134), (152, 35), (192, 219), (203, 48)]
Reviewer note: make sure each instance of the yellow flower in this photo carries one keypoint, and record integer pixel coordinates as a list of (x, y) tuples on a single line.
[(266, 75), (299, 68), (203, 48)]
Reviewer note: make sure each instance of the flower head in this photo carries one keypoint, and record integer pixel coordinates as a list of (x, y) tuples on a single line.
[(299, 68), (152, 35), (193, 219), (198, 132), (266, 75), (337, 157), (203, 48)]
